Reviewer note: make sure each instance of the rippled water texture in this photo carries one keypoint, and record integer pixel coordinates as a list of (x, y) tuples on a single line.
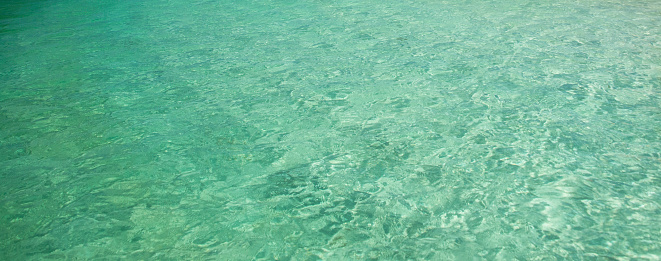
[(335, 130)]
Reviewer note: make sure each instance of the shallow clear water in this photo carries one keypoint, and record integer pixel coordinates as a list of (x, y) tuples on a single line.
[(337, 130)]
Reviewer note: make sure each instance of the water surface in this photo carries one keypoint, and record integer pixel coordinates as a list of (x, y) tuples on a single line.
[(335, 130)]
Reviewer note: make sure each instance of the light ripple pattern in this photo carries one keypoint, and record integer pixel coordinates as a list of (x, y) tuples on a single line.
[(330, 130)]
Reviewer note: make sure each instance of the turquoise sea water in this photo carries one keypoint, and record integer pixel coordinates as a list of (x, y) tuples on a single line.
[(332, 130)]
